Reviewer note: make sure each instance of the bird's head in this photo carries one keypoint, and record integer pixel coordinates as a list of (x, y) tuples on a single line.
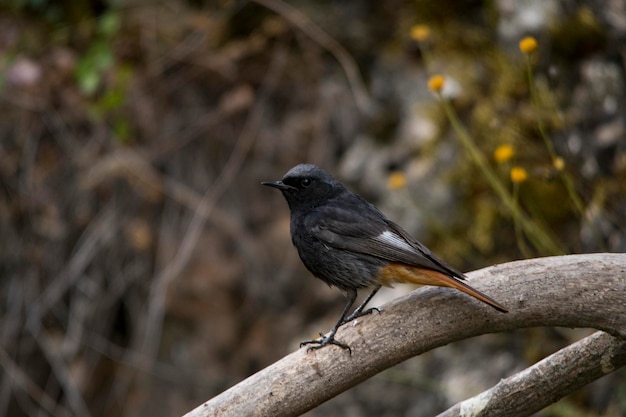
[(307, 185)]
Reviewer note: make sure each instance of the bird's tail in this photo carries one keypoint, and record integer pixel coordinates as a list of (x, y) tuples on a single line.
[(396, 272)]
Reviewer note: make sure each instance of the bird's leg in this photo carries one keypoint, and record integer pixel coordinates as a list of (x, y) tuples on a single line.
[(359, 310), (329, 339)]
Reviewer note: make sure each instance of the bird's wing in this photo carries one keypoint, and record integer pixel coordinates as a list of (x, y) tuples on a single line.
[(351, 227)]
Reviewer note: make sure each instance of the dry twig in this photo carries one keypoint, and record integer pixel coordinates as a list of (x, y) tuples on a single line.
[(245, 141), (323, 39)]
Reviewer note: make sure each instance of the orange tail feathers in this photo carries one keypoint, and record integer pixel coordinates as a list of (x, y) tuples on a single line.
[(397, 272)]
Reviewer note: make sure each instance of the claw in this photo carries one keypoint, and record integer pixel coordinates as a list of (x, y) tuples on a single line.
[(323, 341), (329, 339)]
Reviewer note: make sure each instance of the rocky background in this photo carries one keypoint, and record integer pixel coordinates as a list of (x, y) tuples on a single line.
[(145, 270)]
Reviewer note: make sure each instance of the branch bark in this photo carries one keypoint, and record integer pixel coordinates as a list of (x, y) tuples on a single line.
[(569, 291), (548, 380)]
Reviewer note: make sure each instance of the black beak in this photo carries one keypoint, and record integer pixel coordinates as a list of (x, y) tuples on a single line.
[(278, 184)]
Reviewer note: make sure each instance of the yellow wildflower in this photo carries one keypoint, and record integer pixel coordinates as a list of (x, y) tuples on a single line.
[(518, 175), (503, 153), (528, 45), (435, 83), (420, 33), (558, 163), (396, 180)]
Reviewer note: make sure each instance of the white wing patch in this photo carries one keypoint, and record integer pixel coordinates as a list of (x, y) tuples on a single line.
[(394, 240)]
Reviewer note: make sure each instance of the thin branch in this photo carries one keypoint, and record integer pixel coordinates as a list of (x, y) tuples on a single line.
[(244, 142), (61, 370), (324, 40), (548, 380), (21, 380), (93, 238), (571, 291)]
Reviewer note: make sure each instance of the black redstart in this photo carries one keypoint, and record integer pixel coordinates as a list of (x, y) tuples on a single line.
[(347, 242)]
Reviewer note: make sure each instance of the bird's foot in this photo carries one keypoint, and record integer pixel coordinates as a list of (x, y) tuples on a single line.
[(359, 313), (324, 340)]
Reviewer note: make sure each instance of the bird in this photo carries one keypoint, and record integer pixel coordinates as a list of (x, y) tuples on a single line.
[(348, 243)]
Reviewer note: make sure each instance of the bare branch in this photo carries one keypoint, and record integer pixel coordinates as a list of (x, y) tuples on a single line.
[(20, 379), (313, 31), (548, 380), (571, 291), (209, 200)]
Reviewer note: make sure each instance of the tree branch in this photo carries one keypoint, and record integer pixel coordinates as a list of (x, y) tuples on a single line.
[(548, 380), (570, 291)]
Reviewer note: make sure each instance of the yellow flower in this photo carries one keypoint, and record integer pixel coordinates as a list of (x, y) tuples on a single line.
[(558, 163), (396, 180), (435, 83), (420, 33), (518, 175), (528, 45), (503, 153)]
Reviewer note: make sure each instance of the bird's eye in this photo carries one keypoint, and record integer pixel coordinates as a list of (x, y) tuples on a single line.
[(306, 182)]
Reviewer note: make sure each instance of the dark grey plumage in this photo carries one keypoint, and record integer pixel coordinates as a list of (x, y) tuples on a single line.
[(347, 242)]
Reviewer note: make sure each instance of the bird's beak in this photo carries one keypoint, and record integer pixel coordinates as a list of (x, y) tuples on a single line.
[(278, 184)]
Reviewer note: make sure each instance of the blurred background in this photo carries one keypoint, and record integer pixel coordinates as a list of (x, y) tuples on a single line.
[(145, 270)]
